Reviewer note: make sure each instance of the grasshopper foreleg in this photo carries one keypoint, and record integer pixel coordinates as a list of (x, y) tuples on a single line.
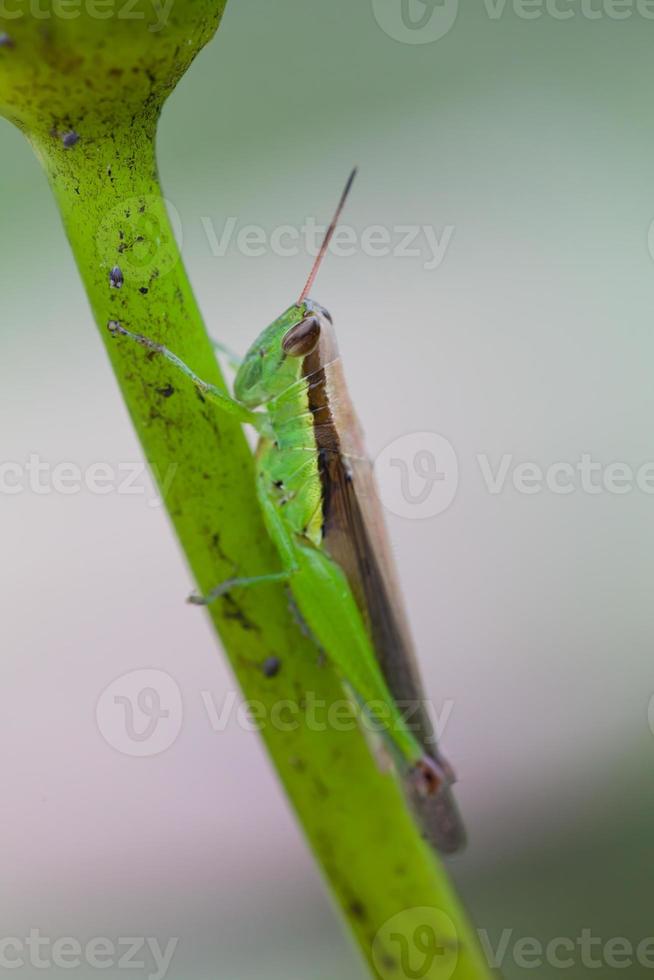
[(236, 583), (212, 392)]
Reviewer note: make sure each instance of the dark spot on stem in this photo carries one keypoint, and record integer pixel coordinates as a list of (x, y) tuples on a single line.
[(116, 278), (358, 910), (234, 612), (166, 392), (69, 139), (321, 789), (143, 290), (215, 541), (271, 666)]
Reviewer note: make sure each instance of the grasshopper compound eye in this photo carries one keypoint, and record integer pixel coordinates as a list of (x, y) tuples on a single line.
[(302, 338)]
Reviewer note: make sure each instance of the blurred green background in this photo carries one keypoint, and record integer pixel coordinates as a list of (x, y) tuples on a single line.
[(529, 138)]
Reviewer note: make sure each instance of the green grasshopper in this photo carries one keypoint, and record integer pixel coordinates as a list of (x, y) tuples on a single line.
[(321, 509)]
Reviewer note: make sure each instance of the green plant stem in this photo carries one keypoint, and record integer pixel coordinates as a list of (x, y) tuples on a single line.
[(353, 814)]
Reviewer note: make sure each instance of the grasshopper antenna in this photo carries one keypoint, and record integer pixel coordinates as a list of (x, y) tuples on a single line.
[(327, 239)]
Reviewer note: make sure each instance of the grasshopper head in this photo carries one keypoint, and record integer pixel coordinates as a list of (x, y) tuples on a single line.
[(275, 359)]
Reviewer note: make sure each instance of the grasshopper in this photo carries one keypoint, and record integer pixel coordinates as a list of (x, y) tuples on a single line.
[(322, 511)]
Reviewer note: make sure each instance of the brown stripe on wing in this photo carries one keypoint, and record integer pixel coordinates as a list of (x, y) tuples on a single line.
[(348, 540), (354, 535)]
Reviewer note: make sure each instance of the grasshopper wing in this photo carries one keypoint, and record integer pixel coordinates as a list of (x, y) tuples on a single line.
[(354, 535)]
